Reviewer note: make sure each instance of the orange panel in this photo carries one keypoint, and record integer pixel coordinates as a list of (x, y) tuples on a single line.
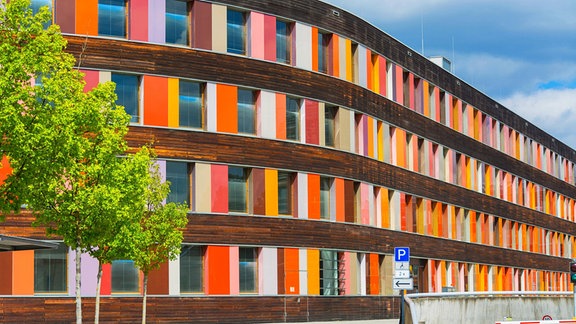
[(335, 55), (313, 196), (340, 200), (87, 17), (23, 279), (155, 101), (374, 280), (227, 108), (5, 169), (314, 49), (369, 70), (385, 207), (292, 271), (217, 270)]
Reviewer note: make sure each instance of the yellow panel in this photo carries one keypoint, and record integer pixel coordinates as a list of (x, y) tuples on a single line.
[(370, 131), (173, 102), (380, 141), (426, 94), (313, 272), (271, 188)]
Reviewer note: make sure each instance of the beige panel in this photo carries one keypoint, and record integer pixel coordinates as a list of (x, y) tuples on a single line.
[(321, 123), (219, 28), (104, 76), (344, 133), (353, 277), (202, 188)]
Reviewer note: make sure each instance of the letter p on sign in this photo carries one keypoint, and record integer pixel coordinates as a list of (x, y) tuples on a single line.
[(402, 254)]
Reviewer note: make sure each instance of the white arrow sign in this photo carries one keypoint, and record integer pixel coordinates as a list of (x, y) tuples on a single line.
[(403, 283)]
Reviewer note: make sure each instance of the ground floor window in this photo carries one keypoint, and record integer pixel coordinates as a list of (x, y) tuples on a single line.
[(192, 269), (50, 270), (125, 277)]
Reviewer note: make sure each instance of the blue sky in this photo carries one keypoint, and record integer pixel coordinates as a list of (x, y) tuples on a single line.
[(521, 53)]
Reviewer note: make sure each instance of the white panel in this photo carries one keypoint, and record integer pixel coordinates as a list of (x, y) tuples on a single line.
[(352, 126), (268, 276), (342, 55), (303, 46), (267, 115), (303, 264), (362, 66), (104, 76), (362, 273), (211, 107), (302, 195), (174, 277)]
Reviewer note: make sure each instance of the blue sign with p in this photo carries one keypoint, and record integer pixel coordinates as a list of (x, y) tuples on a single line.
[(401, 254)]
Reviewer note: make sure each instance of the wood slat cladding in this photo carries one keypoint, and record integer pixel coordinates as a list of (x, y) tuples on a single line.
[(182, 62), (205, 309), (273, 231), (251, 151), (320, 14)]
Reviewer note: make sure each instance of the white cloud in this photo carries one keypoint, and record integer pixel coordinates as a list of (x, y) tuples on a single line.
[(553, 110)]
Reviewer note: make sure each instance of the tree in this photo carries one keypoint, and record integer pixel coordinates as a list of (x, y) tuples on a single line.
[(62, 144), (155, 236)]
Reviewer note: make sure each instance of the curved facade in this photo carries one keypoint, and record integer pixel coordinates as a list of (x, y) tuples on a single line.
[(309, 144)]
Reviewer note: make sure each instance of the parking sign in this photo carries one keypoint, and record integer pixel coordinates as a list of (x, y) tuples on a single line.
[(401, 254)]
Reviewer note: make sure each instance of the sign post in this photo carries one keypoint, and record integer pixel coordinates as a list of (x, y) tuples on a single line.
[(402, 280)]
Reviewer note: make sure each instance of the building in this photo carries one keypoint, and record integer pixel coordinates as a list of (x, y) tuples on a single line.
[(308, 144)]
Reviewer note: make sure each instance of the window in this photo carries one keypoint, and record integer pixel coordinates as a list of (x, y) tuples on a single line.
[(177, 175), (125, 277), (248, 270), (177, 22), (331, 274), (238, 189), (50, 270), (191, 104), (127, 90), (283, 42), (284, 193), (325, 184), (330, 125), (37, 4), (246, 111), (112, 18), (323, 43), (236, 32), (292, 119), (192, 269)]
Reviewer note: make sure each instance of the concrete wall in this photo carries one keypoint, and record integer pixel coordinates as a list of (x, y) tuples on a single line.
[(485, 309)]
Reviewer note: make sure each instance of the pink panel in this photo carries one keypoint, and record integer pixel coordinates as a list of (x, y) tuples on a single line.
[(411, 90), (312, 122), (270, 38), (92, 78), (219, 191), (365, 203), (138, 20), (347, 275), (257, 35), (361, 135), (234, 270)]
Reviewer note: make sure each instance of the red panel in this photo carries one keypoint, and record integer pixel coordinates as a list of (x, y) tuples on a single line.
[(280, 116), (92, 79), (106, 283), (155, 101), (313, 196), (217, 270), (399, 84), (219, 175), (383, 79), (312, 122), (202, 25), (314, 49), (158, 280), (138, 29), (259, 190), (340, 199), (373, 273), (269, 38)]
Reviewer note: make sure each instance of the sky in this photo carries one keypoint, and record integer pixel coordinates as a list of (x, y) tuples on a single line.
[(521, 53)]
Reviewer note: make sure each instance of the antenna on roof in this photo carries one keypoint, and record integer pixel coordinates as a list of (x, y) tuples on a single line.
[(453, 58), (422, 28)]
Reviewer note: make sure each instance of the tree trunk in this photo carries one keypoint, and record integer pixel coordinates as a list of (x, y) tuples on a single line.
[(98, 284), (144, 299), (78, 291)]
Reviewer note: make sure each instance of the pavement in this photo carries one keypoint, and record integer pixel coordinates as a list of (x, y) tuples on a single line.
[(380, 321)]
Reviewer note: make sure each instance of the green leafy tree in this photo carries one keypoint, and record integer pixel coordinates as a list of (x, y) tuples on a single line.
[(62, 144), (156, 234)]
